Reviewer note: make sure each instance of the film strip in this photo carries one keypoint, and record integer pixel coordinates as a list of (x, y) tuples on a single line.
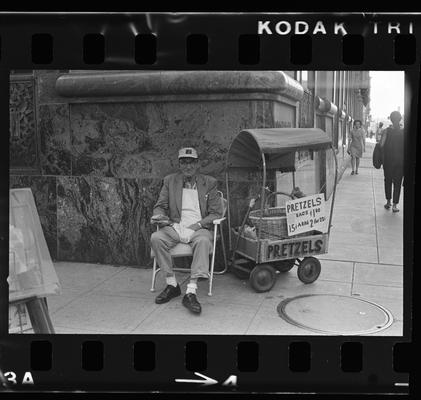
[(112, 83)]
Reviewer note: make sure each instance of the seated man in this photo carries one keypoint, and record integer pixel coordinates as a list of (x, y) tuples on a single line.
[(186, 208)]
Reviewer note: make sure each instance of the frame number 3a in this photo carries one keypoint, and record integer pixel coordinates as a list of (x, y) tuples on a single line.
[(11, 377)]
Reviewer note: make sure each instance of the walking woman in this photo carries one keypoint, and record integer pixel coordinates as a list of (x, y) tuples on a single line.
[(356, 145)]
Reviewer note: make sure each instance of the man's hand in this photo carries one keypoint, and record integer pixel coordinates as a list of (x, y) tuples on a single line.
[(194, 227)]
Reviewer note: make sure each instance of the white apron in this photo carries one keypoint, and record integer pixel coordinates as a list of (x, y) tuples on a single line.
[(190, 214)]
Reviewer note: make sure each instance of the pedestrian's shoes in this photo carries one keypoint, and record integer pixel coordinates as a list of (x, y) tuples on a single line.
[(190, 302), (168, 293)]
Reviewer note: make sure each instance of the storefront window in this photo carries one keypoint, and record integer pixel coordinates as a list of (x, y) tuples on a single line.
[(306, 79), (292, 74)]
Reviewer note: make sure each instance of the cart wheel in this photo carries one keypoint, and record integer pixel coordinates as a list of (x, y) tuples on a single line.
[(309, 270), (262, 277), (284, 265)]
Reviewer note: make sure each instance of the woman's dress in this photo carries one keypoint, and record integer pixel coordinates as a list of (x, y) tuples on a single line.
[(356, 146)]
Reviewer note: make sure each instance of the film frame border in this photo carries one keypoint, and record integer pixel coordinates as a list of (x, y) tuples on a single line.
[(17, 44)]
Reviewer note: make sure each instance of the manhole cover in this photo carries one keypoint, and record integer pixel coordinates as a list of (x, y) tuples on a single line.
[(335, 314)]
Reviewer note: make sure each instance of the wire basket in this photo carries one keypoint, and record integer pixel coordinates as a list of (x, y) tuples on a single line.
[(272, 225)]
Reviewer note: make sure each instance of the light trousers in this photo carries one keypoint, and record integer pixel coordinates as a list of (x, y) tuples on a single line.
[(163, 240)]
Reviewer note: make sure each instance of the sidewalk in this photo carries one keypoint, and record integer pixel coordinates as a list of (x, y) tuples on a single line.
[(365, 261)]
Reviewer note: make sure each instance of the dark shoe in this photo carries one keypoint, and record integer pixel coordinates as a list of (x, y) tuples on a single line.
[(352, 173), (387, 205), (167, 294), (190, 301), (395, 208), (356, 172)]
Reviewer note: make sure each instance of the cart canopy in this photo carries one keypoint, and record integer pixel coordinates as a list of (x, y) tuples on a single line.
[(275, 143)]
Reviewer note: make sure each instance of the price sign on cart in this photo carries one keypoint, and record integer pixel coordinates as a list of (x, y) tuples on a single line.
[(306, 214)]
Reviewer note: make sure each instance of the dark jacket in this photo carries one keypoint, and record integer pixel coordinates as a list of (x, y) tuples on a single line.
[(392, 145), (169, 201)]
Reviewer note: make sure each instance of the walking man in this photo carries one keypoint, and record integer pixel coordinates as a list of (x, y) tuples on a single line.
[(186, 208), (391, 143)]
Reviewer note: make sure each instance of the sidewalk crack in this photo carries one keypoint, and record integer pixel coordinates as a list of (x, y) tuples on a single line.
[(254, 316), (85, 292), (155, 309), (161, 307)]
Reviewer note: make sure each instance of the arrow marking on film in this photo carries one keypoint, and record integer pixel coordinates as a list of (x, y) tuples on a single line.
[(206, 381)]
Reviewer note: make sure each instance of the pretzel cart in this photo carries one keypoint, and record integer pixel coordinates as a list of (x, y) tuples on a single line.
[(281, 186)]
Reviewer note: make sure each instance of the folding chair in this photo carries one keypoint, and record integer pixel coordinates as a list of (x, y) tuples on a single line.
[(185, 250)]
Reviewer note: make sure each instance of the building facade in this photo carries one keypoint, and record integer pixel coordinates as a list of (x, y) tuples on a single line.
[(94, 145)]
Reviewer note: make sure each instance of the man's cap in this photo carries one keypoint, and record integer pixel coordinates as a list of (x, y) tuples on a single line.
[(187, 152)]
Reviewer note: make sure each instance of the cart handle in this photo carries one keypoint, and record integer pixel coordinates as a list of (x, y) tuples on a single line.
[(275, 193), (266, 207)]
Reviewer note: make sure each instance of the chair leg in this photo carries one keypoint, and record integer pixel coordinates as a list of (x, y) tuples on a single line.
[(223, 253), (212, 263), (154, 272), (223, 250)]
